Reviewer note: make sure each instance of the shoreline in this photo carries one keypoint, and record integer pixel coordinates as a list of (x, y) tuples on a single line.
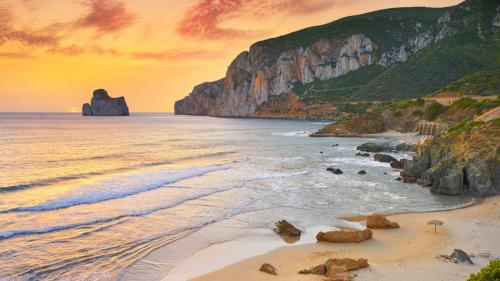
[(392, 253)]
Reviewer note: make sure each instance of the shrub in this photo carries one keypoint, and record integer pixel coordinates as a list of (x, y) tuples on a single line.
[(434, 110), (398, 114), (491, 272), (463, 126)]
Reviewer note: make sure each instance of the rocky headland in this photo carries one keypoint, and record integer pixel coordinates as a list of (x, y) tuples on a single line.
[(104, 105), (319, 72)]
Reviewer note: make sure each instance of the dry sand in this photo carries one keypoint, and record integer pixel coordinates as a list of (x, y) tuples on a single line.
[(408, 253)]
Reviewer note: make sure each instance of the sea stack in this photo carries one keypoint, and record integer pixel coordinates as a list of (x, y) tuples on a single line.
[(104, 105)]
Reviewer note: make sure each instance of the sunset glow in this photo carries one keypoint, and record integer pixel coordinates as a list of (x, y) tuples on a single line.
[(53, 54)]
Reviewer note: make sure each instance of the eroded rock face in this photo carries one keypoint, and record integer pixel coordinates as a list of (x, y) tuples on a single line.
[(345, 236), (379, 221), (202, 100), (467, 163), (104, 105)]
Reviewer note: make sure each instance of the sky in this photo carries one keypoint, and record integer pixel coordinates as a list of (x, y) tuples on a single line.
[(54, 53)]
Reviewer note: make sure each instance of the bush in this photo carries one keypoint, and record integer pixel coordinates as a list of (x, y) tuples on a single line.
[(491, 272), (434, 110), (398, 114), (463, 126)]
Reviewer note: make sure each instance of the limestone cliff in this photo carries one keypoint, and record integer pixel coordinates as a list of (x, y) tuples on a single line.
[(104, 105), (275, 69)]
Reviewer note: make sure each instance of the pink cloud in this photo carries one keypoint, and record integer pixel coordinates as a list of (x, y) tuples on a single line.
[(204, 18), (106, 16), (176, 55)]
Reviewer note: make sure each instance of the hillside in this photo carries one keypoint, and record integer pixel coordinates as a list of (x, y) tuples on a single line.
[(410, 53)]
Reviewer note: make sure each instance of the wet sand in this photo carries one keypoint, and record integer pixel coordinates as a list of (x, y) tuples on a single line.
[(408, 253)]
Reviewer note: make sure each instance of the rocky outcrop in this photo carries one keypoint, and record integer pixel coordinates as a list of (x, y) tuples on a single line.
[(285, 228), (376, 147), (379, 221), (202, 100), (104, 105), (462, 161), (278, 67), (345, 236)]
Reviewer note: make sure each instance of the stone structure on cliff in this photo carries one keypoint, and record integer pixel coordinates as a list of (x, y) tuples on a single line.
[(104, 105)]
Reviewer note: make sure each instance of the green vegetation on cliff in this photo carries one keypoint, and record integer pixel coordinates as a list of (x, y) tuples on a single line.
[(470, 56), (485, 82)]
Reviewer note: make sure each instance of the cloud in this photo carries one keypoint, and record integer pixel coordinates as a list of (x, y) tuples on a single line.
[(106, 16), (75, 50), (177, 55), (204, 18)]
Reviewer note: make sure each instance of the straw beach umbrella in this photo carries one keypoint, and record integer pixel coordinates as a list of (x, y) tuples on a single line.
[(435, 223)]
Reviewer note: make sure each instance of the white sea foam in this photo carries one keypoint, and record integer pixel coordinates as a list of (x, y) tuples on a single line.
[(292, 134), (120, 187), (357, 162)]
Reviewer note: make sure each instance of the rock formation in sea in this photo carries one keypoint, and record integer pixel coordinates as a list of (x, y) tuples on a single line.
[(104, 105)]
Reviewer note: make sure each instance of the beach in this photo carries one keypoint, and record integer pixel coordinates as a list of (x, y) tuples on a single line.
[(407, 253)]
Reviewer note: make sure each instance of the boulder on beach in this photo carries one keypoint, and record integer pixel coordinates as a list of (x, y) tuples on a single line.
[(268, 268), (334, 170), (379, 221), (407, 178), (337, 269), (285, 228), (345, 236), (104, 105), (460, 255)]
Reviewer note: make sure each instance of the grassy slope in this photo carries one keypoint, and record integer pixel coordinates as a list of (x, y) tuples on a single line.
[(474, 48), (484, 82), (393, 27)]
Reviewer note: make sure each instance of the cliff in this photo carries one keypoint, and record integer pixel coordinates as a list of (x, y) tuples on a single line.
[(104, 105), (382, 55), (465, 160)]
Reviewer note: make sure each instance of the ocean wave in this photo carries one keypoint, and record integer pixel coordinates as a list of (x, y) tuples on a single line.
[(12, 233), (292, 134), (360, 162), (56, 180), (119, 187)]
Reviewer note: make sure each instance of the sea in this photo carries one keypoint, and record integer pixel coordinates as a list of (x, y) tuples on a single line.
[(122, 198)]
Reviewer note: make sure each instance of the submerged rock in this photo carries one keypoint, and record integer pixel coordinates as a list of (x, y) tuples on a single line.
[(268, 268), (285, 228), (345, 236), (104, 105), (362, 172), (363, 154), (379, 221), (334, 170)]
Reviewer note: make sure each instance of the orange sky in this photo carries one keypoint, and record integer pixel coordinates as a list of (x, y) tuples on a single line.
[(54, 53)]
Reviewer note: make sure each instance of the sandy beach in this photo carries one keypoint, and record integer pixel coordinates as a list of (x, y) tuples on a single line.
[(407, 253)]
